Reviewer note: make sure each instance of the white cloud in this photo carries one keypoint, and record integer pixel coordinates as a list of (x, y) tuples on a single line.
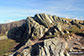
[(75, 18), (67, 17), (8, 21)]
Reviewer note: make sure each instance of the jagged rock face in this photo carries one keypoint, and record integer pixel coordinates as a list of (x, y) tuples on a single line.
[(38, 27), (50, 47), (42, 35), (35, 29), (44, 19), (40, 24)]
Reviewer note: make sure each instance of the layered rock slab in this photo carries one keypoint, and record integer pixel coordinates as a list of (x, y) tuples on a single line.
[(38, 28), (50, 47)]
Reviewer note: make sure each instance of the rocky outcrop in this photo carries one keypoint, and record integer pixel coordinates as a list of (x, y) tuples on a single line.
[(49, 47), (35, 29), (42, 23), (44, 35)]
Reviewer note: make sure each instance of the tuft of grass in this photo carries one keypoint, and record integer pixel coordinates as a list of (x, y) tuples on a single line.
[(6, 46), (66, 35), (51, 36), (74, 29), (2, 34)]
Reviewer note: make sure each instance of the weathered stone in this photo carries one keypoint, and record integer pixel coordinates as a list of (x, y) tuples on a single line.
[(41, 31), (34, 28), (51, 47)]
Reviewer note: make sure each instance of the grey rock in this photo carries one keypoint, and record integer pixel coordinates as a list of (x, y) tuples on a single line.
[(38, 27), (51, 47), (34, 29)]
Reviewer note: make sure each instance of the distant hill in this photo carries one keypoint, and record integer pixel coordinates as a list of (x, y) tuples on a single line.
[(5, 27)]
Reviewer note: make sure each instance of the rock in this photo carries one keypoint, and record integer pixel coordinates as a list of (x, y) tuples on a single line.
[(50, 33), (50, 47), (66, 21), (67, 32), (34, 29), (59, 28), (17, 33), (43, 19), (42, 35), (55, 30), (74, 22), (26, 52)]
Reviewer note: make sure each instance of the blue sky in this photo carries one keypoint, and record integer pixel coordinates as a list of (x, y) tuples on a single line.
[(13, 10)]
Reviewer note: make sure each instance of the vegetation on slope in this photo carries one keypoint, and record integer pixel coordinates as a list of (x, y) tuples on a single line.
[(6, 46)]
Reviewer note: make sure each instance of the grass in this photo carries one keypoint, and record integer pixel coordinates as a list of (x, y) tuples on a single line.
[(2, 34), (6, 45), (74, 29), (66, 35), (51, 36)]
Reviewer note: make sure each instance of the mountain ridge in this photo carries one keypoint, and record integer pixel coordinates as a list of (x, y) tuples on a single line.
[(47, 35)]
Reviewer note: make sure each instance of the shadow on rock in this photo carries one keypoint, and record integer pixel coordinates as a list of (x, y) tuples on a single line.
[(80, 34), (16, 34), (36, 49), (19, 34)]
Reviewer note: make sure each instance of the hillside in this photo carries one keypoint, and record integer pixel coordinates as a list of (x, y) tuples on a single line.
[(45, 35), (5, 27)]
